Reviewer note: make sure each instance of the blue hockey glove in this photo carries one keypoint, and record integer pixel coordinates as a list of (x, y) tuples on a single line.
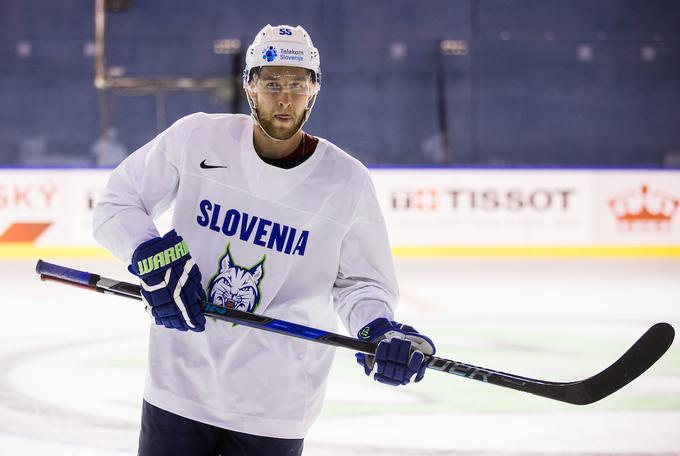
[(400, 352), (171, 282)]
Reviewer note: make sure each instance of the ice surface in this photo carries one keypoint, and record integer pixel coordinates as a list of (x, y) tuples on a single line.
[(72, 363)]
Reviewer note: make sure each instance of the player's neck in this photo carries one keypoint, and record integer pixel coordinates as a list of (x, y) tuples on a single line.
[(269, 148)]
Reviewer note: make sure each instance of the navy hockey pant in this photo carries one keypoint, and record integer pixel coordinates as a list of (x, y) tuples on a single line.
[(164, 433)]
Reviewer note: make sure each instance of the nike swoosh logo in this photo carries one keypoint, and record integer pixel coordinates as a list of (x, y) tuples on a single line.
[(204, 166)]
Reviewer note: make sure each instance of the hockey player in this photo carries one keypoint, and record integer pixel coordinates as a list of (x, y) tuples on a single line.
[(267, 219)]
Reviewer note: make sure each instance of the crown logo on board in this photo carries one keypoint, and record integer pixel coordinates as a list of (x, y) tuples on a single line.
[(644, 209)]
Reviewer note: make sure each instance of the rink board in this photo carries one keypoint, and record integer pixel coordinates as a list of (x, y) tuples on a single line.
[(432, 212)]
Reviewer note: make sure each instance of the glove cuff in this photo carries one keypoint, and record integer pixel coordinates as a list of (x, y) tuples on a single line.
[(375, 329), (158, 254)]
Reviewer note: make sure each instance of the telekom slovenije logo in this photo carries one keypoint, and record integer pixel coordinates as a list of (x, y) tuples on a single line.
[(644, 209)]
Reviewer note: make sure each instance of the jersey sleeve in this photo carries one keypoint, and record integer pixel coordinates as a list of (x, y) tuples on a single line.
[(366, 285), (139, 189)]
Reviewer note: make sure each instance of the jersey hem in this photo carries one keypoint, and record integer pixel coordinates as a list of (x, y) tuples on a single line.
[(257, 425)]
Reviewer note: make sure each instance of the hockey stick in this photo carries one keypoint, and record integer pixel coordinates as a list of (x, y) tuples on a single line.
[(640, 357)]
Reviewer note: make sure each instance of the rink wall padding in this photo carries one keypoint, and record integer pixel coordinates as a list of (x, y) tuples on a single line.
[(429, 212)]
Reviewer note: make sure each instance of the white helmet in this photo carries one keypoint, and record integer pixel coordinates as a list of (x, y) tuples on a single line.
[(282, 45)]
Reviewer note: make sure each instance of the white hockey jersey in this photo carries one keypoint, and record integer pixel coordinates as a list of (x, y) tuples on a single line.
[(305, 244)]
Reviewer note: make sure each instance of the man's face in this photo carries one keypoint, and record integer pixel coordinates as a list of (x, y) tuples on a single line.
[(281, 95)]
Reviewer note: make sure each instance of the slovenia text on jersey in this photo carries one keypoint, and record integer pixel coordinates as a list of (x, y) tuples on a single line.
[(251, 228)]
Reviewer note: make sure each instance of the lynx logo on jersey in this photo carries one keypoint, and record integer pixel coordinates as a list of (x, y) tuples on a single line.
[(234, 286)]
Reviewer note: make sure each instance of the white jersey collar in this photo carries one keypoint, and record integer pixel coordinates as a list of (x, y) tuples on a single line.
[(270, 181)]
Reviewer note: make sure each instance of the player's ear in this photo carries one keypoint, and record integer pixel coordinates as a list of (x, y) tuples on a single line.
[(251, 90)]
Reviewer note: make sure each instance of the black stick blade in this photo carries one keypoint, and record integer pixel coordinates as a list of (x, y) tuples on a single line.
[(640, 357)]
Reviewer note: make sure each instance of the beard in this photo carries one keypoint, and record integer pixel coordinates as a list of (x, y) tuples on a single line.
[(280, 132)]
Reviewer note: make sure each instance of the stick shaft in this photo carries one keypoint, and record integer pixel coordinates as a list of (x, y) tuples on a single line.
[(94, 282), (642, 355)]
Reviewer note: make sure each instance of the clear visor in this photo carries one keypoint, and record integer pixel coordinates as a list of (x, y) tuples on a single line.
[(296, 82)]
